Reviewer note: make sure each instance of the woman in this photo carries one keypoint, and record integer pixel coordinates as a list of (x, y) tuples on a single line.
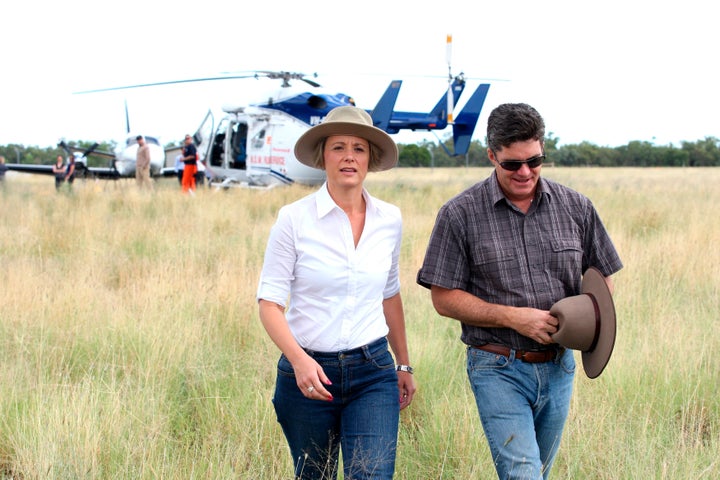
[(332, 260), (59, 172)]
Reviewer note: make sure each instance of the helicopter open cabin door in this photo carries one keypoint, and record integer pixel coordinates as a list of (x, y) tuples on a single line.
[(235, 144), (270, 155)]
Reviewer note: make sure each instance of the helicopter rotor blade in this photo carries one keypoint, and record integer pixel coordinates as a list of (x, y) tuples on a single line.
[(287, 76), (91, 149), (169, 82), (65, 147), (284, 76)]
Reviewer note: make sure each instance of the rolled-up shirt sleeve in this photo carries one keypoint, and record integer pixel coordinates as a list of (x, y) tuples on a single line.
[(279, 263)]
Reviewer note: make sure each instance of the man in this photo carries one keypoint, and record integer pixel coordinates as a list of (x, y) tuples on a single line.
[(190, 169), (142, 164), (500, 255)]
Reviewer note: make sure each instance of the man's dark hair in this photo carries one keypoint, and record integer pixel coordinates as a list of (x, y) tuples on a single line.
[(138, 137), (514, 122)]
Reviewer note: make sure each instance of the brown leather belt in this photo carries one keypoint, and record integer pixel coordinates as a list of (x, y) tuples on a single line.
[(524, 355)]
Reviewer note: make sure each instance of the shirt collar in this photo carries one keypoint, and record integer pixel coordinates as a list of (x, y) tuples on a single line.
[(325, 204), (497, 194)]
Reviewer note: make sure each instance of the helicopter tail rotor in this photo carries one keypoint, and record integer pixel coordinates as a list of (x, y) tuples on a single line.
[(450, 100)]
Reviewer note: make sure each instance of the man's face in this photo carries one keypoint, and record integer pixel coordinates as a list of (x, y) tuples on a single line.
[(519, 186)]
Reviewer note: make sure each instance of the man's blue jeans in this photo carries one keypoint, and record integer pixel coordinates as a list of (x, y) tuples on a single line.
[(523, 408), (362, 419)]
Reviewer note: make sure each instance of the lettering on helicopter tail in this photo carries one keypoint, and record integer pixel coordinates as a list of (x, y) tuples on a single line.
[(315, 120)]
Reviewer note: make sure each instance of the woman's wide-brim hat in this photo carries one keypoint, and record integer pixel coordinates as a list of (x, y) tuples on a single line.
[(347, 121), (586, 322)]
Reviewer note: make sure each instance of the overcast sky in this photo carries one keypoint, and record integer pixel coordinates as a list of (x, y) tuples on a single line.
[(604, 72)]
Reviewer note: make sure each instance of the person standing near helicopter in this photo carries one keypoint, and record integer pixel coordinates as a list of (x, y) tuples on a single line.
[(190, 169), (142, 164), (59, 172)]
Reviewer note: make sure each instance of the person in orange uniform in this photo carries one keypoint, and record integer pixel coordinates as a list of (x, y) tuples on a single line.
[(190, 161)]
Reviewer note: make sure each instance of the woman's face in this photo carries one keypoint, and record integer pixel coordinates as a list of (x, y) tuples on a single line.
[(346, 160)]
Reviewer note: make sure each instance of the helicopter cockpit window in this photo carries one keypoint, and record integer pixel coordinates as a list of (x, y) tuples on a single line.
[(317, 102)]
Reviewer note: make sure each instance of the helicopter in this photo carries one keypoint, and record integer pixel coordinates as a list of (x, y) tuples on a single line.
[(253, 145)]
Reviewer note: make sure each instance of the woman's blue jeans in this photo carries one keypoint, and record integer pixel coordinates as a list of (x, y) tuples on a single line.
[(523, 408), (362, 419)]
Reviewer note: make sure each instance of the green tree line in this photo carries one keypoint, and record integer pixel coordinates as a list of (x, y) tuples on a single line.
[(702, 153), (46, 155)]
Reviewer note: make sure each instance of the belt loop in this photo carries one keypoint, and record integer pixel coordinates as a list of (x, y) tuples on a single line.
[(366, 351)]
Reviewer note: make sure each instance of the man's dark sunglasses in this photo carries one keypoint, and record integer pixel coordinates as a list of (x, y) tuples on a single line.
[(515, 165)]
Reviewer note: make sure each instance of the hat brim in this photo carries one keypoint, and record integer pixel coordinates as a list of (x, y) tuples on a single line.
[(308, 142), (595, 361)]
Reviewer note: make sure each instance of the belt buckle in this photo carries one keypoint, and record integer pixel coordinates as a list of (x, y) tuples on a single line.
[(525, 355)]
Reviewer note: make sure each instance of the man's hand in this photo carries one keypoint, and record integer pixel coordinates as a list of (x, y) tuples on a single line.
[(535, 324)]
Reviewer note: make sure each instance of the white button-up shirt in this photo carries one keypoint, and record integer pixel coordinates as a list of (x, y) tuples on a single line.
[(332, 290)]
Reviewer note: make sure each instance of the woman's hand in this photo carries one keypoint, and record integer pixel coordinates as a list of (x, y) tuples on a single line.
[(311, 378), (406, 385)]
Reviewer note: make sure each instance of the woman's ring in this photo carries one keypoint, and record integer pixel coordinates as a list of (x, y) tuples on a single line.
[(310, 389)]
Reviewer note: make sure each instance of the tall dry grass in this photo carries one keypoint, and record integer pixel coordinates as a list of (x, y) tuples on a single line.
[(130, 345)]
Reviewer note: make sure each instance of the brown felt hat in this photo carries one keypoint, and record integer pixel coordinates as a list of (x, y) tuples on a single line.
[(586, 322), (347, 121)]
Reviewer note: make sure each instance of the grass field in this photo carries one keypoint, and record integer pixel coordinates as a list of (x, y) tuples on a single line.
[(130, 345)]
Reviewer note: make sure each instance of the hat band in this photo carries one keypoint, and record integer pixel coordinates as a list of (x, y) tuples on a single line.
[(597, 322)]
